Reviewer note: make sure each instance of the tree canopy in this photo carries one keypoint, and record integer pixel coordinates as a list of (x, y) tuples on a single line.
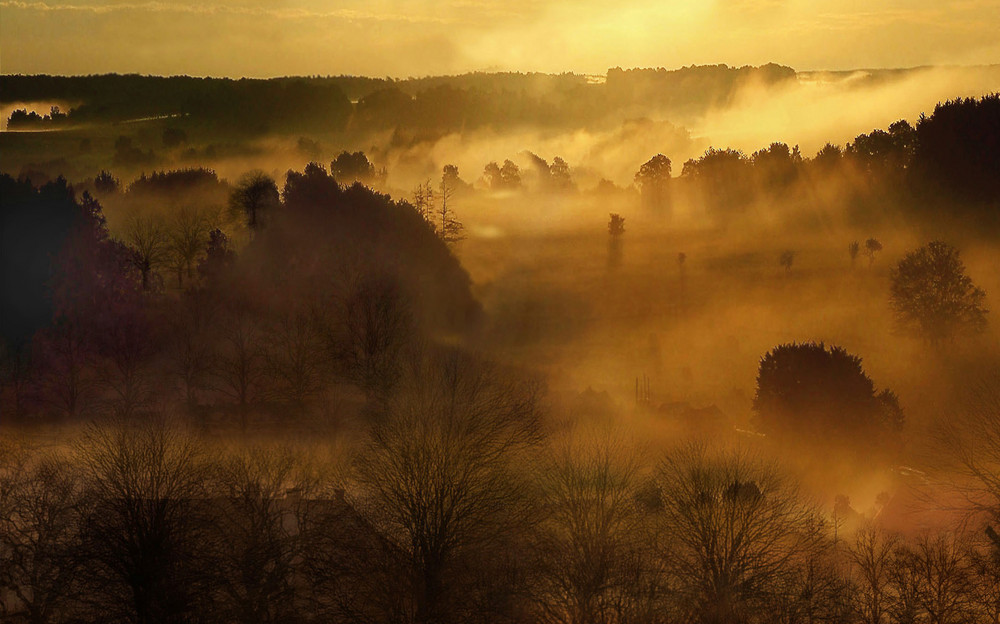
[(932, 296), (812, 392)]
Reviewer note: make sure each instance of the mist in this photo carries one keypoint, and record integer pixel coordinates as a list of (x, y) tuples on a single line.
[(501, 346)]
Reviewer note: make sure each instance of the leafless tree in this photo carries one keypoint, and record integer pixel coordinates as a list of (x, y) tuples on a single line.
[(423, 201), (440, 471), (815, 590), (39, 523), (591, 536), (187, 238), (737, 528), (128, 346), (367, 334), (190, 351), (15, 378), (448, 227), (968, 445), (872, 555), (142, 538), (904, 587), (259, 499), (238, 363), (294, 356), (147, 237), (985, 578), (935, 574), (68, 381)]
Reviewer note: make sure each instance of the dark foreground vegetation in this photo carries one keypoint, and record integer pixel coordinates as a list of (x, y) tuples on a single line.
[(458, 509), (258, 400)]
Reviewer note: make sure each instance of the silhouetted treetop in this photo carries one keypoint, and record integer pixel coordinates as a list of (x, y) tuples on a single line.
[(325, 228), (932, 296), (349, 167), (958, 150), (811, 392), (178, 181)]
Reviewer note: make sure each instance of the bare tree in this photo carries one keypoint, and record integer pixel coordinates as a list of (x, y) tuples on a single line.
[(937, 574), (187, 238), (238, 363), (368, 334), (590, 538), (968, 450), (294, 356), (738, 528), (127, 347), (147, 237), (190, 351), (984, 572), (852, 251), (68, 382), (141, 539), (448, 227), (904, 585), (440, 472), (259, 503), (872, 555), (15, 378), (40, 507), (423, 201)]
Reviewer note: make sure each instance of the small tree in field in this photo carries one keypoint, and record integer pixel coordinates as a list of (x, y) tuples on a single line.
[(853, 250), (786, 259), (872, 247), (932, 296), (616, 229)]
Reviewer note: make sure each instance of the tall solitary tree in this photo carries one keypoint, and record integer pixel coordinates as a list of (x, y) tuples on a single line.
[(932, 296)]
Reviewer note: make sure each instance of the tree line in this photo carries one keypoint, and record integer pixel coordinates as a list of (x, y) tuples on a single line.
[(335, 282), (441, 103), (942, 166), (459, 505)]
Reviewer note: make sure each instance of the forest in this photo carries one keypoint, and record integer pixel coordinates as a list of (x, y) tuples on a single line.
[(500, 347)]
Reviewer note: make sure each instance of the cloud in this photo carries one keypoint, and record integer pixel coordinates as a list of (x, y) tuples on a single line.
[(290, 13), (421, 37)]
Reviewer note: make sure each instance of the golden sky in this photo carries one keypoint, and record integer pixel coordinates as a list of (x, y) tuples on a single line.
[(403, 38)]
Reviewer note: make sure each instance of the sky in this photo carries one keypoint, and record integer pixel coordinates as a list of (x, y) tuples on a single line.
[(403, 38)]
